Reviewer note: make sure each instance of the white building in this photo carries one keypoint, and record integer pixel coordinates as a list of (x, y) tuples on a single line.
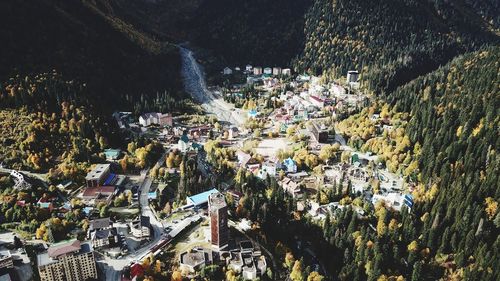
[(268, 70), (227, 71), (248, 68), (352, 76), (276, 70), (286, 71), (257, 70)]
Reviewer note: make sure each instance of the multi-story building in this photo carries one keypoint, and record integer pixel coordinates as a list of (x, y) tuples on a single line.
[(98, 175), (67, 261), (6, 260), (217, 209)]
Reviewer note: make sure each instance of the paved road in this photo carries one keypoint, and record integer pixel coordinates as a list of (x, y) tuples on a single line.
[(195, 85), (42, 177)]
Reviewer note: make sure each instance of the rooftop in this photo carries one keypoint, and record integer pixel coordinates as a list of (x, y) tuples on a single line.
[(63, 248), (97, 171), (217, 200), (201, 198), (99, 223)]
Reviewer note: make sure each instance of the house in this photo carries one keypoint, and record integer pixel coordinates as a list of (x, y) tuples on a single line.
[(270, 82), (268, 71), (253, 113), (268, 168), (257, 70), (248, 68), (243, 158), (352, 76), (276, 71), (252, 165), (227, 71), (290, 165), (291, 187), (233, 132), (286, 71), (64, 185), (112, 154), (45, 204)]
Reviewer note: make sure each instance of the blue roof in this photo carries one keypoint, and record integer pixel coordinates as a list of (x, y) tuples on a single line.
[(152, 195), (289, 161), (110, 179), (201, 198)]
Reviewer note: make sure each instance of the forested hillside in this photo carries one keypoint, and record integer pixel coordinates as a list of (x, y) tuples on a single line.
[(390, 41), (86, 41), (455, 118), (268, 32), (451, 233)]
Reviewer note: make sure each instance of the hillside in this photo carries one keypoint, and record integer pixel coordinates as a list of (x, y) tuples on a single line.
[(390, 41), (87, 42), (455, 117), (258, 32)]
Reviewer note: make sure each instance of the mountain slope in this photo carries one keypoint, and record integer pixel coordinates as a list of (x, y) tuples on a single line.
[(83, 40), (266, 32), (390, 41), (455, 118)]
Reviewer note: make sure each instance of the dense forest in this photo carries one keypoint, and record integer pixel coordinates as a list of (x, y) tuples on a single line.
[(452, 230), (87, 42), (259, 32), (392, 41)]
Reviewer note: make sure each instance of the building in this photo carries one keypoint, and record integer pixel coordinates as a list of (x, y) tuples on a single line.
[(192, 261), (102, 234), (227, 71), (112, 154), (268, 71), (104, 238), (156, 118), (98, 175), (200, 199), (276, 70), (95, 195), (268, 168), (352, 76), (248, 68), (316, 101), (6, 260), (257, 70), (319, 132), (219, 232), (141, 228), (286, 71), (290, 165), (67, 261), (291, 187)]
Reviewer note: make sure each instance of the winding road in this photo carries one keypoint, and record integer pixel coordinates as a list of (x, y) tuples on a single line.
[(195, 85)]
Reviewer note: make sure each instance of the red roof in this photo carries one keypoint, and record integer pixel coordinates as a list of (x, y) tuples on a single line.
[(94, 191), (64, 249), (136, 270)]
